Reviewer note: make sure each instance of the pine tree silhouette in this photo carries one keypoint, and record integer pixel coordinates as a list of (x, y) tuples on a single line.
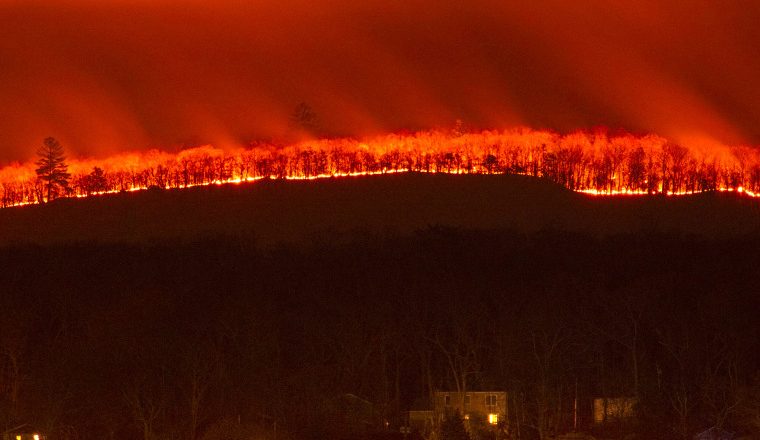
[(52, 168)]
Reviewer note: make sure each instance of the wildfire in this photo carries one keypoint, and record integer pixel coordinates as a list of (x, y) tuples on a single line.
[(590, 162)]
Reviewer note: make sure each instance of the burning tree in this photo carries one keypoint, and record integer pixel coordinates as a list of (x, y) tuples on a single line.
[(94, 182), (52, 169), (589, 162)]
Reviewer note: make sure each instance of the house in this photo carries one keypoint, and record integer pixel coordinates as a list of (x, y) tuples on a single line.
[(479, 409), (491, 406), (607, 409), (23, 435), (23, 432)]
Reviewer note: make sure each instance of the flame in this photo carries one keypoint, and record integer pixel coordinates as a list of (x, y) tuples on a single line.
[(589, 162)]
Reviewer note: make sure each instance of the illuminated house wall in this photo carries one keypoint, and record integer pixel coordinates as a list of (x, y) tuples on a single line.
[(488, 406), (23, 435), (613, 408), (484, 408)]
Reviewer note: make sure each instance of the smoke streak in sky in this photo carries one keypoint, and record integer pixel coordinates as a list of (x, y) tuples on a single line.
[(106, 77)]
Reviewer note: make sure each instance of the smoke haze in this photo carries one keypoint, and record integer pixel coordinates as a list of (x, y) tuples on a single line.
[(105, 77)]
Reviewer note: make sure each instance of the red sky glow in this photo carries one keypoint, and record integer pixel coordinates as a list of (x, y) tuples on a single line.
[(107, 77)]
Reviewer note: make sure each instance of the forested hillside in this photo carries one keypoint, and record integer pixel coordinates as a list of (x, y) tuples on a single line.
[(273, 211)]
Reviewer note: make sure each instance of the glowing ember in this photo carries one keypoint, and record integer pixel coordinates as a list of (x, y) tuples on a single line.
[(589, 162)]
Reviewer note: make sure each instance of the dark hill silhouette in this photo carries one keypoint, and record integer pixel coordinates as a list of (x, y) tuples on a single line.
[(275, 211)]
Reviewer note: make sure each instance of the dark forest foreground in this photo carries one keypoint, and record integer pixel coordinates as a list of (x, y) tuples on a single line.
[(191, 339), (235, 312), (275, 211)]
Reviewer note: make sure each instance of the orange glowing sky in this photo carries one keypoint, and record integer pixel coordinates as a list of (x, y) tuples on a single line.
[(105, 77)]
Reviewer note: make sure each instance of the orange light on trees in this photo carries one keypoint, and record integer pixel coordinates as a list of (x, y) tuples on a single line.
[(593, 163)]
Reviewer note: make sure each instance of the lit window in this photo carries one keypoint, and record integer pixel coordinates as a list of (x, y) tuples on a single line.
[(18, 437), (491, 400), (493, 419), (36, 436)]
